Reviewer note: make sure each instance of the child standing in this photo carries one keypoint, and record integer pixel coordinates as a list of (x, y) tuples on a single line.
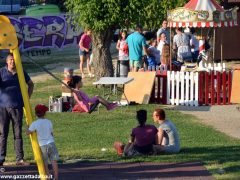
[(153, 57), (84, 103), (85, 51), (44, 130), (121, 46), (123, 60)]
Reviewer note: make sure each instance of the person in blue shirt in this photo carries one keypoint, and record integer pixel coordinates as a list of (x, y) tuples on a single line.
[(11, 109), (136, 45)]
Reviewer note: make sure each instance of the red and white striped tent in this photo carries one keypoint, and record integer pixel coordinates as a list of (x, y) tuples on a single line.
[(202, 13)]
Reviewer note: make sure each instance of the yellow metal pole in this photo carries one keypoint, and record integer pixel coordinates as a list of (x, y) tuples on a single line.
[(28, 113), (8, 40)]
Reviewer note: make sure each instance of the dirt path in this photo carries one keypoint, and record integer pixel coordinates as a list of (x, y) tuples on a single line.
[(224, 118)]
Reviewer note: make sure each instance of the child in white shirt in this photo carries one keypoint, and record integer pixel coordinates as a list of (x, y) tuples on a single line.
[(44, 130)]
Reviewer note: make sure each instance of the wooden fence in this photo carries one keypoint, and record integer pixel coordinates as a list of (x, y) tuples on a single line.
[(215, 88), (192, 88)]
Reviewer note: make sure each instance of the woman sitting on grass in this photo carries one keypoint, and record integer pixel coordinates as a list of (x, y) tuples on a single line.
[(143, 137), (83, 102)]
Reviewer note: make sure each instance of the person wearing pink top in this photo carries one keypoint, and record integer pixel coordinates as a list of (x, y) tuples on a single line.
[(85, 52), (143, 137), (83, 102)]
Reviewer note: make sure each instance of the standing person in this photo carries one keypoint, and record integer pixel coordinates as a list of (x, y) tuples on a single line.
[(194, 43), (136, 44), (142, 139), (123, 60), (44, 130), (153, 57), (85, 52), (164, 30), (83, 102), (168, 138), (163, 46), (11, 109), (181, 45)]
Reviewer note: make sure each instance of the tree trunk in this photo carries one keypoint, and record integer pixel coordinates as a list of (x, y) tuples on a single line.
[(102, 59)]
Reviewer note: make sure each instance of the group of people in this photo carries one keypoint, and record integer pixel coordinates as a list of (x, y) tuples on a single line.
[(146, 139), (134, 48), (11, 111), (156, 53), (185, 45), (163, 139)]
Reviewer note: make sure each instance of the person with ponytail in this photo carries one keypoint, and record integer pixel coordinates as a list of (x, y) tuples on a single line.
[(83, 102), (143, 137)]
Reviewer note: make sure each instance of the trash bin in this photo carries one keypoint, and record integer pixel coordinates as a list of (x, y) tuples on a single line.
[(124, 68)]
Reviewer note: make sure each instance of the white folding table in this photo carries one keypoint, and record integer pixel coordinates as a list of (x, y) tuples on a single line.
[(115, 81)]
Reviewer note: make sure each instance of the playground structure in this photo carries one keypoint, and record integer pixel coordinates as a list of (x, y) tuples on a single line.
[(9, 41)]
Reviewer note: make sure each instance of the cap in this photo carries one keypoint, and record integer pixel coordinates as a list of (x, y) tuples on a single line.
[(40, 109)]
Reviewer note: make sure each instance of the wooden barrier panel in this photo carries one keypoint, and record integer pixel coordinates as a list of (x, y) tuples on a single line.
[(140, 89), (235, 96), (159, 91)]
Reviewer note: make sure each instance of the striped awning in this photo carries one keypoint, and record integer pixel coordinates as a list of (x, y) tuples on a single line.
[(202, 13), (203, 24)]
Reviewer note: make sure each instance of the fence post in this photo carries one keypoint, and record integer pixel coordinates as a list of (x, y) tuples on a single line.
[(224, 94), (164, 89), (200, 87), (206, 88), (196, 88), (229, 86), (168, 86), (173, 87), (177, 88), (218, 88), (182, 77), (187, 89), (191, 88), (212, 88)]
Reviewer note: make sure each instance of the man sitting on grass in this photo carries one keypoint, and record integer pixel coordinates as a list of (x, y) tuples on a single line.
[(168, 139)]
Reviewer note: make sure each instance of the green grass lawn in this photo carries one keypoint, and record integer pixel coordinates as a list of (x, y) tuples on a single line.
[(82, 136)]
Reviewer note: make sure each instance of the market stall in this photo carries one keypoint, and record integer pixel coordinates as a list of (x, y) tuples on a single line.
[(202, 14)]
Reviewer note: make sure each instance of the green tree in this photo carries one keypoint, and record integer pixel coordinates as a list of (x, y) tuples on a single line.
[(105, 16)]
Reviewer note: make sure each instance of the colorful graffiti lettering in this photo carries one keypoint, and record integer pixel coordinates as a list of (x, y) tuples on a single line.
[(43, 32)]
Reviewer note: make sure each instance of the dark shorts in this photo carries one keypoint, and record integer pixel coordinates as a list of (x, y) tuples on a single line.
[(83, 53), (140, 150)]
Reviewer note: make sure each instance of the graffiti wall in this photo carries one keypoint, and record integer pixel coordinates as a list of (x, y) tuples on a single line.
[(44, 32)]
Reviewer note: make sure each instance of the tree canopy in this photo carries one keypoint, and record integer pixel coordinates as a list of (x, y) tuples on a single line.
[(101, 14), (103, 17)]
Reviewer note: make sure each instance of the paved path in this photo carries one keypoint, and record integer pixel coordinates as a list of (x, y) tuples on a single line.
[(115, 171), (224, 118)]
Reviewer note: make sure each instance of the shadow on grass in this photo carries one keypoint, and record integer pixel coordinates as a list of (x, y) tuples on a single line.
[(220, 154), (190, 108)]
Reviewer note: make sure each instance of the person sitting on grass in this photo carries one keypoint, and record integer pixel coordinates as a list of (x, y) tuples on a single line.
[(143, 137), (84, 103), (168, 138), (44, 130)]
